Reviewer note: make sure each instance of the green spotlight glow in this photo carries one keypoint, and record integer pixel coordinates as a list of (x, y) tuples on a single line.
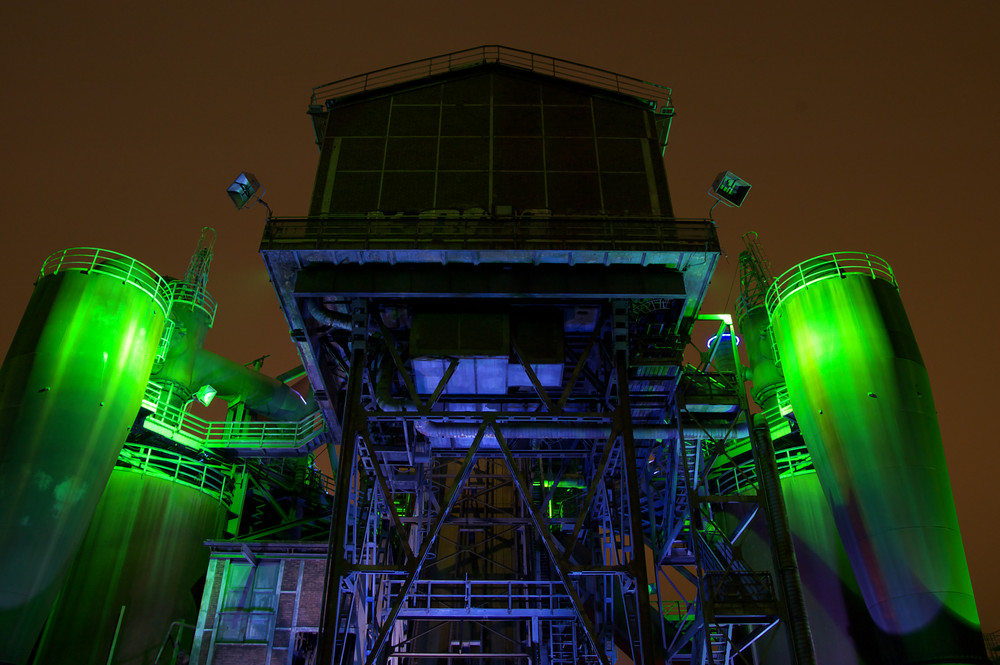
[(205, 395)]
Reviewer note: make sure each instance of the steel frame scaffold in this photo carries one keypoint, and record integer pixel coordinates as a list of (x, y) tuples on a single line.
[(556, 520)]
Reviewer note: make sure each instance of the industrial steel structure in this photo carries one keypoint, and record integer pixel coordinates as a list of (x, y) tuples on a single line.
[(542, 450)]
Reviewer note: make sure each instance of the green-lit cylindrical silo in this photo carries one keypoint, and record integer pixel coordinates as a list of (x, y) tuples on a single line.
[(70, 388), (862, 398), (842, 630), (145, 552), (192, 313), (764, 372)]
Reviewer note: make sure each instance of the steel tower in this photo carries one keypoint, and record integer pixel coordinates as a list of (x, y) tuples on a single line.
[(492, 298)]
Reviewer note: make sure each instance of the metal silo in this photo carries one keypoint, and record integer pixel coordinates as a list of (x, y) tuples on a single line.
[(70, 387), (137, 571), (862, 399)]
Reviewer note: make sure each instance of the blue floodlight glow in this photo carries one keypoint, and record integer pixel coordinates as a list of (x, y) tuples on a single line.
[(711, 340)]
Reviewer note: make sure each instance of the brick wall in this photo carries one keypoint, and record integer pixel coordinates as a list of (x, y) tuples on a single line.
[(298, 609), (207, 612), (311, 594), (240, 654)]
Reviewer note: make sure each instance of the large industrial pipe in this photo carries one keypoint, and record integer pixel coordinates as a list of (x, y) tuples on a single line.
[(70, 387), (261, 393), (862, 399)]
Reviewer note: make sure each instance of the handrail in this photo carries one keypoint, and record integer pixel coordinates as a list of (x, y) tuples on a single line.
[(457, 233), (657, 96), (195, 296), (172, 421), (485, 593), (211, 478), (165, 341), (740, 478), (176, 641), (114, 264), (825, 266)]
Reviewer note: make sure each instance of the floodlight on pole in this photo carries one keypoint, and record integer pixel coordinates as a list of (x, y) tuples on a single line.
[(246, 192), (728, 188), (205, 394)]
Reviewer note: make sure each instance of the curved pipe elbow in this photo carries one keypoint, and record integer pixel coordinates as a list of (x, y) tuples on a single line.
[(261, 393)]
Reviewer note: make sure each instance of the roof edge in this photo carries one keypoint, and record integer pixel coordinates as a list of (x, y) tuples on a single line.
[(657, 96)]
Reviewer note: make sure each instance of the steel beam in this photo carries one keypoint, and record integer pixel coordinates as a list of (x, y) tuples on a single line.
[(636, 539), (338, 568), (551, 547), (414, 565), (508, 281)]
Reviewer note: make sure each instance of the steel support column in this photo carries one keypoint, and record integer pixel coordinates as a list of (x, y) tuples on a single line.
[(338, 568), (637, 566)]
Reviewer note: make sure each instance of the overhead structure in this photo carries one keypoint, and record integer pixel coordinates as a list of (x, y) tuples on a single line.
[(492, 297)]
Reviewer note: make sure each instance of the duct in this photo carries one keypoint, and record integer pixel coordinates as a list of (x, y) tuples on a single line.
[(326, 317), (261, 393), (575, 431), (384, 371)]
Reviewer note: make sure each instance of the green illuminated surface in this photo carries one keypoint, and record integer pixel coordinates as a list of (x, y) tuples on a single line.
[(764, 373), (863, 401), (838, 620), (144, 551), (190, 325), (70, 387), (175, 423)]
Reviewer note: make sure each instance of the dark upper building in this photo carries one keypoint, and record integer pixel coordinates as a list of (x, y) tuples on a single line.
[(494, 139)]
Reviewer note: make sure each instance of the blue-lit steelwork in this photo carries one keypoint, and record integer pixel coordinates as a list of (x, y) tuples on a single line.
[(492, 297)]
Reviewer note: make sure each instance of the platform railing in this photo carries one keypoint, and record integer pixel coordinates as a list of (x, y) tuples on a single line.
[(211, 478), (414, 232), (742, 478), (657, 96), (172, 421), (826, 266), (195, 296), (113, 264), (504, 595)]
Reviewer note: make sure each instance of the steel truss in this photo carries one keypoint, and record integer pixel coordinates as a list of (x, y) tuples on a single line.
[(585, 519), (439, 550), (718, 486), (528, 532)]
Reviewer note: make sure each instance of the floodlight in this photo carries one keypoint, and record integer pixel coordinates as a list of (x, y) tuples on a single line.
[(205, 394), (245, 190), (730, 189)]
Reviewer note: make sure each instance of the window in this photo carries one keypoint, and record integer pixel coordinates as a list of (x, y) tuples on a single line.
[(249, 602)]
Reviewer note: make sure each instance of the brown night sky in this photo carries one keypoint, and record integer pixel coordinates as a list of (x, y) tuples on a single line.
[(861, 126)]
